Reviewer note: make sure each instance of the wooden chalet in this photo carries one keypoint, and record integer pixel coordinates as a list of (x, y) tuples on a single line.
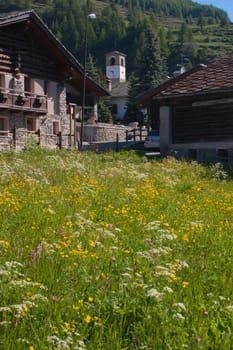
[(194, 112), (41, 85)]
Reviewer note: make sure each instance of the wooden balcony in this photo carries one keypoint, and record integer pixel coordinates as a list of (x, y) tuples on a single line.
[(26, 102)]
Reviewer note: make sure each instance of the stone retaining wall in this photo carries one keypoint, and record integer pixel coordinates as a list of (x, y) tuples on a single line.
[(101, 132)]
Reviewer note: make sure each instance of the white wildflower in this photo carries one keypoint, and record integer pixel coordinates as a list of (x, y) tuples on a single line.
[(168, 289), (125, 274), (154, 293), (230, 307), (179, 316), (5, 323), (5, 309), (108, 233), (180, 306)]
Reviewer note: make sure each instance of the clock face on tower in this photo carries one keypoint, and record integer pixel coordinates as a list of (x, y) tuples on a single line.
[(111, 72)]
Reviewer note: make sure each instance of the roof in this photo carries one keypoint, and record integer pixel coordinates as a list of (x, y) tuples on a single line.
[(65, 57), (115, 53), (119, 89), (214, 78)]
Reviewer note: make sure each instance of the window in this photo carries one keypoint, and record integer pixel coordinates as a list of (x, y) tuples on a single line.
[(46, 87), (28, 84), (31, 124), (112, 61), (3, 126), (2, 81), (122, 62), (222, 155), (56, 127), (114, 109)]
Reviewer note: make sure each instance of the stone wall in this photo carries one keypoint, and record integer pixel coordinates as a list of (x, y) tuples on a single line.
[(101, 132)]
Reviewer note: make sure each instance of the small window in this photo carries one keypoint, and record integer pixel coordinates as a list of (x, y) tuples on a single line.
[(222, 155), (28, 84), (114, 109), (112, 61), (31, 124), (56, 127), (46, 87), (3, 126), (122, 62), (2, 81)]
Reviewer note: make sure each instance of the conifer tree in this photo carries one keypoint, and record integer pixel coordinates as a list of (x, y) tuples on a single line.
[(152, 68), (152, 72), (133, 109)]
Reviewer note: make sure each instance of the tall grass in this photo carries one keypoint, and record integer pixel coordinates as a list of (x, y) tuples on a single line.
[(111, 251)]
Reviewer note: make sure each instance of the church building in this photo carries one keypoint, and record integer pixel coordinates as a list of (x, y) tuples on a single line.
[(118, 86)]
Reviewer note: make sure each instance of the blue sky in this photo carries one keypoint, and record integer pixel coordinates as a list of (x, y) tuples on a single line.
[(226, 5)]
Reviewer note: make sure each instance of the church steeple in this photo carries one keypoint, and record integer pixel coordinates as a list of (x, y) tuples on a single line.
[(116, 66)]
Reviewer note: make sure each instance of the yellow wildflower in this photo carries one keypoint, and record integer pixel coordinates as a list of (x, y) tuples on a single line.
[(87, 319), (185, 284), (185, 238), (91, 243)]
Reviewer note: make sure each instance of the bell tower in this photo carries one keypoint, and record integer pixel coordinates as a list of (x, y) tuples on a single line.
[(115, 66)]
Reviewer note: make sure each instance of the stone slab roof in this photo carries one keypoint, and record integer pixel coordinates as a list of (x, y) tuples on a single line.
[(214, 78), (119, 89)]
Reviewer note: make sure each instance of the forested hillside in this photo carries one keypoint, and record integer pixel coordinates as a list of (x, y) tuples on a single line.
[(189, 33)]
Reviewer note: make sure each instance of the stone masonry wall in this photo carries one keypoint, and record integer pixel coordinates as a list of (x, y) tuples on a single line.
[(102, 132)]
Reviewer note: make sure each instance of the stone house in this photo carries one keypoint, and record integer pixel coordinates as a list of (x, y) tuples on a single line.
[(194, 112), (41, 85)]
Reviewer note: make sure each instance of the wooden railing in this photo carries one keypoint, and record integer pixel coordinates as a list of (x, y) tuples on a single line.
[(27, 101), (136, 134)]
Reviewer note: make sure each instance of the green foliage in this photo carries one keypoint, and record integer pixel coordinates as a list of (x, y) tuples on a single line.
[(120, 25), (133, 109), (151, 72), (104, 112)]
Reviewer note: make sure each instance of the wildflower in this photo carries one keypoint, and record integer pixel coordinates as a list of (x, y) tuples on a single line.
[(149, 242), (154, 293), (109, 225), (168, 289), (87, 319), (31, 347), (185, 284), (179, 316), (90, 299), (185, 238), (76, 307), (55, 298), (39, 248), (91, 243), (180, 306), (198, 339)]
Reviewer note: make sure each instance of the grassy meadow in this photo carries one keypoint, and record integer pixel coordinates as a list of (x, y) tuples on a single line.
[(112, 251)]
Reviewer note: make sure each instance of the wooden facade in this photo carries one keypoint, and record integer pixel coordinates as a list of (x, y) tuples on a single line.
[(196, 120), (37, 77), (194, 112)]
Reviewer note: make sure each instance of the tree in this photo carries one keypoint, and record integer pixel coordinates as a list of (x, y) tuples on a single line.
[(133, 109), (104, 112), (152, 69), (151, 73)]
